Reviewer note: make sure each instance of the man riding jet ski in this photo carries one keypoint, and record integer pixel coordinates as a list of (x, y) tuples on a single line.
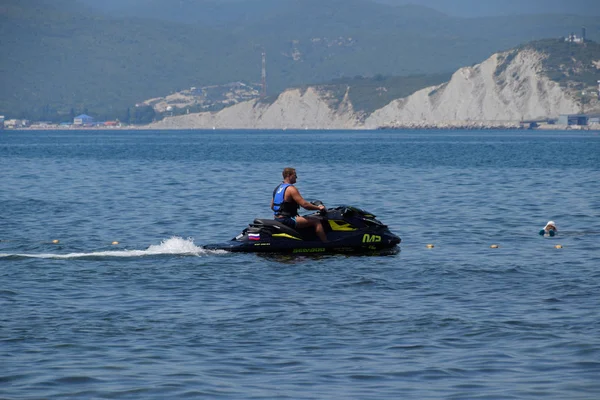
[(342, 229)]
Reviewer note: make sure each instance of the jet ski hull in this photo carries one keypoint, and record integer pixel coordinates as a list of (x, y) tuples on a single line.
[(348, 230)]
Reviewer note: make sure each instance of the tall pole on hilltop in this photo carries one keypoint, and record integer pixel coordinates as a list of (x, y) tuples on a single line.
[(263, 83)]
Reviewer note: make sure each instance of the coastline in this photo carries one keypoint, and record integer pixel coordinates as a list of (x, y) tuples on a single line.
[(455, 125)]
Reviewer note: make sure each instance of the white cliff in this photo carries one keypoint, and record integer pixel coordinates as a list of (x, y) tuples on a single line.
[(501, 91), (294, 109), (490, 93)]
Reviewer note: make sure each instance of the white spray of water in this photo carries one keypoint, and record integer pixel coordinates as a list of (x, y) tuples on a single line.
[(173, 246)]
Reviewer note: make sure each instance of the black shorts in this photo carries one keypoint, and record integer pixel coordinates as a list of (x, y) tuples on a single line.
[(288, 221)]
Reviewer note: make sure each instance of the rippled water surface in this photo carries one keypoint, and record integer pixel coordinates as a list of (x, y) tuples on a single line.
[(155, 316)]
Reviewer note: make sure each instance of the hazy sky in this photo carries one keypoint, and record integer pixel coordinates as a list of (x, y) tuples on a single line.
[(474, 8), (462, 8)]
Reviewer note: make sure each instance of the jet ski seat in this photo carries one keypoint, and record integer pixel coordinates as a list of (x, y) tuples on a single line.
[(271, 223)]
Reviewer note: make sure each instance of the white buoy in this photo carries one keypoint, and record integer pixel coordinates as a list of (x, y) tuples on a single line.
[(558, 246), (494, 246), (56, 241), (115, 242), (430, 246)]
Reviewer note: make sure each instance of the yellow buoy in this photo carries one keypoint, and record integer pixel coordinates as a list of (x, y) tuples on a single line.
[(558, 246), (55, 241), (494, 246), (430, 246), (115, 242)]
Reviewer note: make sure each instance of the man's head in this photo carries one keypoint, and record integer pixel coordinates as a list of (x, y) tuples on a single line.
[(289, 173), (551, 225)]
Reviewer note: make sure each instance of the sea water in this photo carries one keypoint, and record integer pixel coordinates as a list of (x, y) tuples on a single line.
[(107, 292)]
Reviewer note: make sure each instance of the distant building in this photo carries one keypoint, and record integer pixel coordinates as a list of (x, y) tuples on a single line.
[(16, 123), (572, 119), (573, 38), (578, 119), (83, 120)]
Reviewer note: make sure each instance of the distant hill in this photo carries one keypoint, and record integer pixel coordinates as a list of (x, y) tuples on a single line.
[(62, 57), (210, 13), (534, 82), (366, 94), (57, 57)]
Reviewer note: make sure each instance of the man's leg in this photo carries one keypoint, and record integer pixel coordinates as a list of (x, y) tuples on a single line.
[(303, 222)]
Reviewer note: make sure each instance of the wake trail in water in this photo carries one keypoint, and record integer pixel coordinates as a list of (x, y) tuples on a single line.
[(172, 246)]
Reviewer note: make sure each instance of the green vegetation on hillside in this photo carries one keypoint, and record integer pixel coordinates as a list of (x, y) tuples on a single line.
[(573, 65), (57, 60), (570, 64)]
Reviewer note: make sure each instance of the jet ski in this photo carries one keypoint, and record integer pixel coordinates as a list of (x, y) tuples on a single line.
[(348, 229)]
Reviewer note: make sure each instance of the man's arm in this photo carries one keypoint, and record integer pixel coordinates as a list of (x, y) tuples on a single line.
[(295, 194)]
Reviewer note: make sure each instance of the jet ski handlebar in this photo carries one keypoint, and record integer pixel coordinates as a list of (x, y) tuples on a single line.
[(319, 203)]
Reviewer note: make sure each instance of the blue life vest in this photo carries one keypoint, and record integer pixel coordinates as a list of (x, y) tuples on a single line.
[(282, 207)]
